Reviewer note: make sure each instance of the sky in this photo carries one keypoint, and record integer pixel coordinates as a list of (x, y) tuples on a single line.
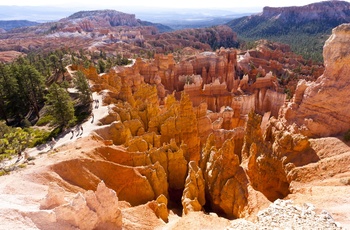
[(217, 4)]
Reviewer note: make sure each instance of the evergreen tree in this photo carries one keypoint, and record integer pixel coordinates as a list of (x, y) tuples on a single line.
[(8, 93), (60, 106), (83, 87), (30, 88), (101, 66)]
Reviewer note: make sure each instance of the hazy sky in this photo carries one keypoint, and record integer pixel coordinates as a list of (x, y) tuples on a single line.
[(219, 4)]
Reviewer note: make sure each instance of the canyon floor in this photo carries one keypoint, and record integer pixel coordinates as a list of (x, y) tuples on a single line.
[(325, 184)]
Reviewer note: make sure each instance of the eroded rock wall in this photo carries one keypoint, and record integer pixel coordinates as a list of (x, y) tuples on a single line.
[(321, 108)]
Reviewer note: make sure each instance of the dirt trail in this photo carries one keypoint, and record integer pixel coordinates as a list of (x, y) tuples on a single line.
[(65, 138)]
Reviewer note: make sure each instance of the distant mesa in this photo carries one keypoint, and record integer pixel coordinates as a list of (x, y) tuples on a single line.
[(113, 18)]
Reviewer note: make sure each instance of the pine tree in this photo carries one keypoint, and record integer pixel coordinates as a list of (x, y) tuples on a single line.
[(83, 87), (8, 93), (101, 66), (60, 106)]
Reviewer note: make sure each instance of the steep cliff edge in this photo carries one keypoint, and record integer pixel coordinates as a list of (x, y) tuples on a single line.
[(322, 108)]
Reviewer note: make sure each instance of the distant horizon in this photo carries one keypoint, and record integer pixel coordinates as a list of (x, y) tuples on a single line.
[(155, 11), (180, 4)]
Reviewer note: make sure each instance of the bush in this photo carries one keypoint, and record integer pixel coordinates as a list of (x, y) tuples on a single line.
[(44, 120), (25, 123), (38, 136), (5, 156)]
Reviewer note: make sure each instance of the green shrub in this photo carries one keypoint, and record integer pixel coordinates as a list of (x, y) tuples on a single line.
[(5, 156), (44, 120), (38, 136)]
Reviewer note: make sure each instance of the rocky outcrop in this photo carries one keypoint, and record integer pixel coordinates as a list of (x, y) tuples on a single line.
[(150, 178), (320, 108), (295, 25), (193, 198), (90, 210), (178, 121), (273, 155), (226, 189), (278, 58), (160, 207)]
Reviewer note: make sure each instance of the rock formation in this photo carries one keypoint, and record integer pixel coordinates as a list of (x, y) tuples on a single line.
[(272, 155), (227, 189), (160, 207), (320, 108), (193, 198), (91, 210)]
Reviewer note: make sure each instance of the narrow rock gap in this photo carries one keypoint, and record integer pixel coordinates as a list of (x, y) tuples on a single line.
[(175, 203)]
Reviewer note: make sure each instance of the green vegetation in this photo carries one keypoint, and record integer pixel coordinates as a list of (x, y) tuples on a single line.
[(36, 90), (305, 38), (60, 106), (12, 141), (44, 120), (83, 87), (3, 172), (15, 140), (21, 91), (24, 83)]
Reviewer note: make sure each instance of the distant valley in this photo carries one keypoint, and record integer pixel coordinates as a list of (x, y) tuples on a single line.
[(304, 28), (176, 19)]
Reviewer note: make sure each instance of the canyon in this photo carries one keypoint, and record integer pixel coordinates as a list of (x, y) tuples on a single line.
[(211, 138), (113, 32)]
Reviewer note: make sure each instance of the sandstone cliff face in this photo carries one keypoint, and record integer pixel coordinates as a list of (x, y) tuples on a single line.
[(321, 108)]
